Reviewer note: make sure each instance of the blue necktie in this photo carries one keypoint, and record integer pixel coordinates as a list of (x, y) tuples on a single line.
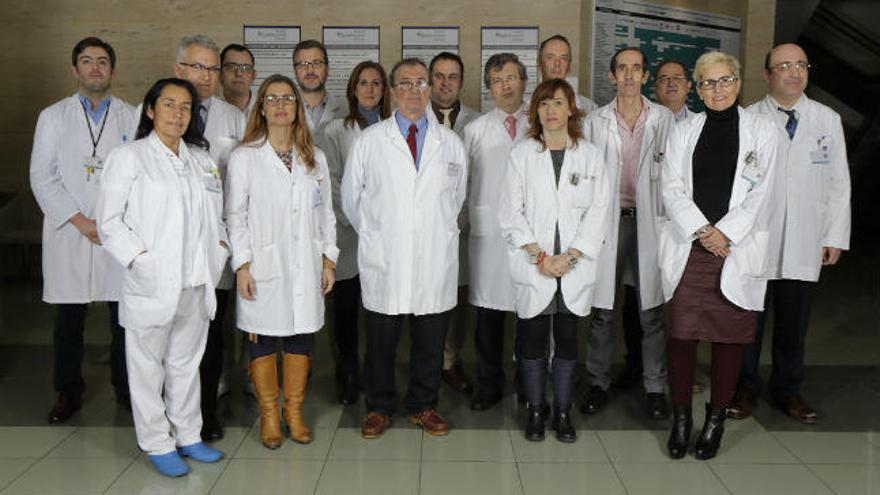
[(791, 125), (200, 122)]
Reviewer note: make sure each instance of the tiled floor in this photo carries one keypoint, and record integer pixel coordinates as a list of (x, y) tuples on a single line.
[(617, 452)]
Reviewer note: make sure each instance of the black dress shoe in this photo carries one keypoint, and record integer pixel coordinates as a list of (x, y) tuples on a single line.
[(680, 435), (535, 424), (562, 425), (656, 406), (64, 408), (483, 401), (458, 380), (710, 437), (596, 400), (212, 430)]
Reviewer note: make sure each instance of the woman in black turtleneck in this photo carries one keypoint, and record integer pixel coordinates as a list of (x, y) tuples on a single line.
[(714, 186), (369, 101)]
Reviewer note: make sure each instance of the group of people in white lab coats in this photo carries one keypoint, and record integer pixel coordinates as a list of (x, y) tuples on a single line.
[(555, 204)]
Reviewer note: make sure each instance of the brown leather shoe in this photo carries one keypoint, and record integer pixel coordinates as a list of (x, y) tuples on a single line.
[(374, 425), (456, 378), (430, 422), (797, 408), (63, 409), (741, 405)]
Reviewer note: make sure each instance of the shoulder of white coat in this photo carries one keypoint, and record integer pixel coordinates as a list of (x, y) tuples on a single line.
[(446, 135), (822, 110), (57, 109), (202, 157), (132, 150), (525, 147), (245, 150)]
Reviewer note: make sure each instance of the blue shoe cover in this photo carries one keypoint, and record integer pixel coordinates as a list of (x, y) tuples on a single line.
[(200, 452), (169, 464)]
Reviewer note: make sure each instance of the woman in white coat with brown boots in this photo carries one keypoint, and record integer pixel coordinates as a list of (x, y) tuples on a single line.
[(553, 214), (159, 215), (282, 232)]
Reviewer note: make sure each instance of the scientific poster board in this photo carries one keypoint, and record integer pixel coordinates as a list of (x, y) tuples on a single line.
[(661, 32), (272, 47), (426, 42), (521, 41), (346, 47)]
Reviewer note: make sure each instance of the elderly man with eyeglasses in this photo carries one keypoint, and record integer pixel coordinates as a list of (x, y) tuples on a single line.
[(222, 124), (810, 229), (403, 189)]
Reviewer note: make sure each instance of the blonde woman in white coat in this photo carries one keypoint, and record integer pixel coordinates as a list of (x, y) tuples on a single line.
[(713, 248), (553, 215), (369, 101), (283, 235), (159, 215)]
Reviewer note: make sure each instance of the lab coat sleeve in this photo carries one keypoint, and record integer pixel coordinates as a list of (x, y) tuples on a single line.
[(512, 208), (328, 217), (680, 208), (353, 182), (120, 173), (54, 199), (738, 222), (462, 189), (332, 146), (238, 188), (836, 231), (593, 227)]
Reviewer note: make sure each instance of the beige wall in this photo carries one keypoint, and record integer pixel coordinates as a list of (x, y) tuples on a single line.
[(40, 34)]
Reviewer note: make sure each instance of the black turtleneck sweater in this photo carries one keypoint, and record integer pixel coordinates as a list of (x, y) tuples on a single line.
[(714, 162)]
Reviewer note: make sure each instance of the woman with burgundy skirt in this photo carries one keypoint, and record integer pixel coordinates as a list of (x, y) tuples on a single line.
[(713, 244)]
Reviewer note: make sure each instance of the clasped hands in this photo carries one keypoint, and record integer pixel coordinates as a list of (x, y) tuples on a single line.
[(714, 241), (554, 266)]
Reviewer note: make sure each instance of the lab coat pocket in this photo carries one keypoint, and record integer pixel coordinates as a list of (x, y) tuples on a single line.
[(142, 278), (482, 221), (266, 264), (580, 194), (752, 254), (371, 253)]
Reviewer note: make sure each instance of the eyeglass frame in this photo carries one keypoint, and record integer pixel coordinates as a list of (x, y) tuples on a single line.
[(798, 66), (419, 85), (279, 100), (494, 81), (214, 69), (316, 64), (710, 84), (232, 66), (664, 79)]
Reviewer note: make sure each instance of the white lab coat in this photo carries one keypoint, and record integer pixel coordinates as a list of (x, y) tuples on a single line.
[(406, 219), (532, 204), (466, 115), (336, 141), (140, 210), (742, 280), (488, 146), (74, 270), (281, 222), (600, 129), (810, 199)]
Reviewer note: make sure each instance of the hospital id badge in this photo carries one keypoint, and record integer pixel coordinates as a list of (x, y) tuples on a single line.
[(91, 165), (212, 183), (453, 169), (820, 157)]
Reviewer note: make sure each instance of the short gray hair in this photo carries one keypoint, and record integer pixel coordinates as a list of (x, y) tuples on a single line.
[(195, 39), (497, 62), (712, 58)]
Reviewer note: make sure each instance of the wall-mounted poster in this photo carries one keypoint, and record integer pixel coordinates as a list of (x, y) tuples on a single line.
[(522, 41), (348, 46), (272, 47), (661, 32), (426, 42)]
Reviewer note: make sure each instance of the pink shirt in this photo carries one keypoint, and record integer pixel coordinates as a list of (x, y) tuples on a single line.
[(630, 149)]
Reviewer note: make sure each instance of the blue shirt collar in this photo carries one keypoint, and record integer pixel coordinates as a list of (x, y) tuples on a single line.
[(403, 123), (98, 113)]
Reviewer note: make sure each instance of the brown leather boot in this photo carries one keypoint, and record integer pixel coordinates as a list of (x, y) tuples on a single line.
[(264, 375), (296, 376)]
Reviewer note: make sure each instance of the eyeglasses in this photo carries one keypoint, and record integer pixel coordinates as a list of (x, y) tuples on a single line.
[(279, 99), (233, 67), (497, 81), (419, 86), (724, 82), (317, 64), (671, 79), (787, 66), (215, 69)]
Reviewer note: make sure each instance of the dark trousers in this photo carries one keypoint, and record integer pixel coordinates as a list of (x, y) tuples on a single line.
[(266, 345), (212, 361), (632, 328), (427, 334), (533, 334), (346, 302), (489, 340), (67, 337), (791, 301)]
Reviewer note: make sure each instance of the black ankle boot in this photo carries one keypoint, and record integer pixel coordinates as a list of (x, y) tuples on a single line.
[(710, 437), (562, 425), (535, 424), (680, 435)]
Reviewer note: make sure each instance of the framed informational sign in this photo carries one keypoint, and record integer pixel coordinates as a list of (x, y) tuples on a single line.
[(348, 46), (521, 41), (272, 47), (426, 42)]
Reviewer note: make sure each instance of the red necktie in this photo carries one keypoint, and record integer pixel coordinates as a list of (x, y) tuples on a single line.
[(510, 124), (411, 141)]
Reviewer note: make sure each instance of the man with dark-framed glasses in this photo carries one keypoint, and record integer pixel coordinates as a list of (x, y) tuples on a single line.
[(310, 66), (237, 74)]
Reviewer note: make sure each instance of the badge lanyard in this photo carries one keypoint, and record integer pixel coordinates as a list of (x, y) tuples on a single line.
[(91, 168)]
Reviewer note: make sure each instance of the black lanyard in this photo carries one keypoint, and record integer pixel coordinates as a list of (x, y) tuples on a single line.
[(97, 140)]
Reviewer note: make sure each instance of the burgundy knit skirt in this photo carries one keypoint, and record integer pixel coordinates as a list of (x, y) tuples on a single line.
[(699, 311)]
